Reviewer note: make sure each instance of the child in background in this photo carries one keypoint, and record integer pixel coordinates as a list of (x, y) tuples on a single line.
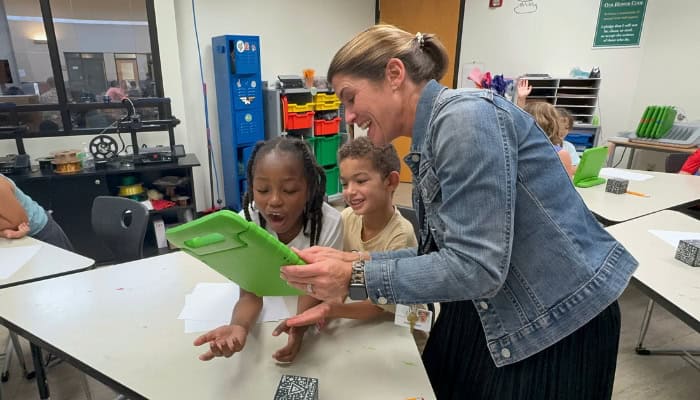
[(285, 195), (21, 216), (370, 176), (691, 166), (566, 122), (547, 118)]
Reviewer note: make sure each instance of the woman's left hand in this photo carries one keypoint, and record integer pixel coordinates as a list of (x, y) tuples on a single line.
[(325, 277)]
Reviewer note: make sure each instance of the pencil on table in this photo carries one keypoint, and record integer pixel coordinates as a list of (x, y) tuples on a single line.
[(637, 194)]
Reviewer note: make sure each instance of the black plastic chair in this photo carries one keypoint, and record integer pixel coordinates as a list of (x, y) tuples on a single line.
[(410, 214), (121, 223), (675, 161)]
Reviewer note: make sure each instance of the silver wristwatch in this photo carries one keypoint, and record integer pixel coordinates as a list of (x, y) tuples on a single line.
[(358, 289)]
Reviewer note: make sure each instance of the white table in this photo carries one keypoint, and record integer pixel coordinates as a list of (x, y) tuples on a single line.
[(667, 281), (119, 325), (49, 262), (666, 191)]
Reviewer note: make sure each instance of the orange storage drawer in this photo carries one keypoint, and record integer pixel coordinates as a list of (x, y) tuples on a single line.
[(300, 120), (323, 127)]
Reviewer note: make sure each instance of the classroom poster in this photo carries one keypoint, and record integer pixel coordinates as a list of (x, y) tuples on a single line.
[(619, 23)]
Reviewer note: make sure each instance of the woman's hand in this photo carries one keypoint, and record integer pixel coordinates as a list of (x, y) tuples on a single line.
[(317, 253), (223, 341), (21, 231), (325, 277), (295, 336)]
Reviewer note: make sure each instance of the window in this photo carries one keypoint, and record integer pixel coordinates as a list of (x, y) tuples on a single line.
[(67, 64)]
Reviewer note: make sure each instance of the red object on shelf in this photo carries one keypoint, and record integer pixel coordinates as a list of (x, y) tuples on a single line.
[(495, 3), (323, 127), (284, 112), (162, 204), (300, 120)]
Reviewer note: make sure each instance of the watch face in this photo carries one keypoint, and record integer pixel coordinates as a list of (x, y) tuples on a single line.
[(358, 292)]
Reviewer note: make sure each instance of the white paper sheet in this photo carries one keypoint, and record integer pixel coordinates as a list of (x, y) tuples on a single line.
[(673, 237), (210, 305), (274, 309), (14, 258), (623, 174), (213, 304), (194, 326)]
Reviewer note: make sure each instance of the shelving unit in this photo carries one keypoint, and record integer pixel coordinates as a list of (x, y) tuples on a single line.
[(579, 96), (240, 105), (310, 114), (69, 197)]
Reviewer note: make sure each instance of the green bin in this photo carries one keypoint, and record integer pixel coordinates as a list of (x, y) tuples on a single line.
[(332, 180), (325, 149)]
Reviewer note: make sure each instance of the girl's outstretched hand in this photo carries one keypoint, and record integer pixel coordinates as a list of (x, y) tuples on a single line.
[(224, 341), (294, 340)]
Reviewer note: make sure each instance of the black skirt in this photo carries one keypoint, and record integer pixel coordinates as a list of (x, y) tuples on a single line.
[(580, 366)]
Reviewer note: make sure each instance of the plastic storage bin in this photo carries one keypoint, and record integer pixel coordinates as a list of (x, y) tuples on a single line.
[(300, 120), (580, 140), (332, 180), (297, 108), (326, 102), (325, 149), (323, 127)]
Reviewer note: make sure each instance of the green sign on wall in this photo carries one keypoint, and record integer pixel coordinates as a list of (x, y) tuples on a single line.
[(619, 23)]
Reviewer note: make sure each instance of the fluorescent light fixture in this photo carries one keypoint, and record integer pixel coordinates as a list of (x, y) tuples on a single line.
[(76, 21)]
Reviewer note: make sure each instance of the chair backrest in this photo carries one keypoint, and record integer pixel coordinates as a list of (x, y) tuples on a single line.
[(410, 214), (675, 161), (121, 223)]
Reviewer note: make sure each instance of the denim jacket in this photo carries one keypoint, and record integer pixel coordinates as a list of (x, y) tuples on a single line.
[(511, 232)]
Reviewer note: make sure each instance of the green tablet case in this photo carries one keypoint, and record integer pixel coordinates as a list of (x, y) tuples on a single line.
[(667, 122), (592, 161), (644, 121), (239, 250), (648, 127)]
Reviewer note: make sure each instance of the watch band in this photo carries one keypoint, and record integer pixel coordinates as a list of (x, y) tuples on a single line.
[(358, 288)]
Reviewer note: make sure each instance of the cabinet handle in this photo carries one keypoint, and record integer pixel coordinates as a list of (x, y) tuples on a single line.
[(97, 181)]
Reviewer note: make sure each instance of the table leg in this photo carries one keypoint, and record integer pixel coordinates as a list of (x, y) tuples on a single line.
[(20, 355), (630, 158), (611, 154), (41, 382), (645, 326), (687, 355)]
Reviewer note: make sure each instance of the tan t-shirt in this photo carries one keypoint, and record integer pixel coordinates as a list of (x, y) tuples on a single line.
[(397, 234)]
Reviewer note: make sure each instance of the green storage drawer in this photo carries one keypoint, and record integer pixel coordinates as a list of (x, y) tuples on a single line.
[(325, 149), (332, 180)]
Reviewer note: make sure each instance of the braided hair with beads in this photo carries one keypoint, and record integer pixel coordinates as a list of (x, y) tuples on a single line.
[(312, 217)]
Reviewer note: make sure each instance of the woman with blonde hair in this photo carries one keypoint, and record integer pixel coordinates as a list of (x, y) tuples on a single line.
[(527, 278)]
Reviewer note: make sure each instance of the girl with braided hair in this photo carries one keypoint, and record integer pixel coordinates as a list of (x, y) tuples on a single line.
[(286, 187)]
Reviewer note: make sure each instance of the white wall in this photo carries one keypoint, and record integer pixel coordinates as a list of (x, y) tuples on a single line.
[(293, 35), (670, 65), (559, 36), (553, 40)]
